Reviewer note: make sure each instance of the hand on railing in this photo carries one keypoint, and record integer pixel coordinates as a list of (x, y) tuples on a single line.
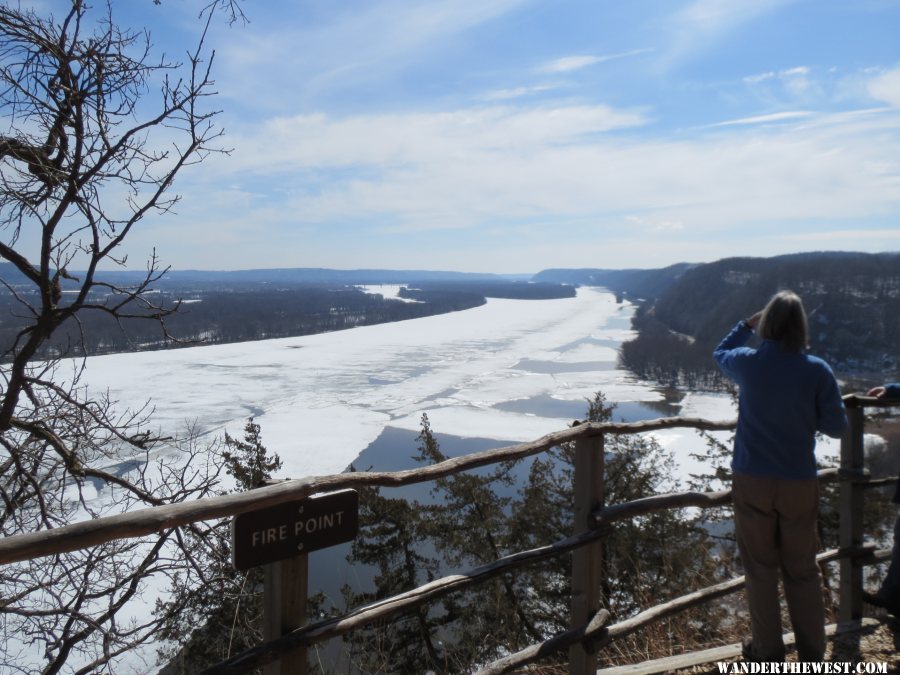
[(877, 397)]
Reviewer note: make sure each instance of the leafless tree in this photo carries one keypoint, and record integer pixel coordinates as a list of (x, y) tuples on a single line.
[(88, 149)]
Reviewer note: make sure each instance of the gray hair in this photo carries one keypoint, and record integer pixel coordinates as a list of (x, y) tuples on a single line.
[(784, 320)]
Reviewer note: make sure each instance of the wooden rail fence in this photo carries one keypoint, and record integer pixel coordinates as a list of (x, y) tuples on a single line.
[(589, 631)]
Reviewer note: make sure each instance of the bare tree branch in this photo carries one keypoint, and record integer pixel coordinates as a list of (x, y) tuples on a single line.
[(80, 127)]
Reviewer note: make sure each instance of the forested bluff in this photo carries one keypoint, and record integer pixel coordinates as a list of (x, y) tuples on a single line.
[(853, 300)]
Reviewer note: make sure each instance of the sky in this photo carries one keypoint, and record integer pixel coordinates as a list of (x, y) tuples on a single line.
[(517, 135)]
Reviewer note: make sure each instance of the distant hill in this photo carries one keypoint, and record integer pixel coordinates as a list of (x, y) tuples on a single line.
[(281, 277), (304, 276), (853, 300), (636, 284)]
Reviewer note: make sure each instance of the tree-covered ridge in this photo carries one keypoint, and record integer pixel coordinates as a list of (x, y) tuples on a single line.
[(172, 279), (853, 302)]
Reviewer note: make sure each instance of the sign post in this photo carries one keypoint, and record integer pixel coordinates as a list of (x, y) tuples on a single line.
[(284, 609), (280, 537)]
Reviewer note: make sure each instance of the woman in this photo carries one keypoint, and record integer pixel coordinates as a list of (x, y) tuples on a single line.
[(786, 396)]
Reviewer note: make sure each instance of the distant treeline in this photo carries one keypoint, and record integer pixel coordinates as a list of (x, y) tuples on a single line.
[(214, 315), (433, 291)]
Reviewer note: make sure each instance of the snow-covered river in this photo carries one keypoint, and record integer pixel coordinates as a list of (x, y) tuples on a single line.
[(510, 370)]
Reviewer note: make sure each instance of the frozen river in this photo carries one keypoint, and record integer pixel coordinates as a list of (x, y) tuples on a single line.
[(510, 370)]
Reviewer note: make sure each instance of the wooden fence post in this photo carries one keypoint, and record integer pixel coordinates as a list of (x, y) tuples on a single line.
[(851, 514), (284, 609), (587, 560)]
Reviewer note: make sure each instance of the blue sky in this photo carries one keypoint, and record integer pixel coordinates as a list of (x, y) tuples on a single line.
[(517, 135)]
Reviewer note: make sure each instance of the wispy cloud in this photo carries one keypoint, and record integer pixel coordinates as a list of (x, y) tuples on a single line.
[(518, 92), (798, 83), (703, 23), (718, 16), (570, 63), (786, 74), (410, 139), (760, 77), (357, 43), (886, 87), (475, 167), (766, 119), (799, 71)]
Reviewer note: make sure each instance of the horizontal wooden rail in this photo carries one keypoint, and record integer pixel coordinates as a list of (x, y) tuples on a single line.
[(594, 629), (679, 500), (603, 637), (155, 519), (158, 518), (377, 611), (862, 401)]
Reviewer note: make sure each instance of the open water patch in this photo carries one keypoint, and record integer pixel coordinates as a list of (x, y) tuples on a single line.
[(619, 322), (380, 381), (546, 405), (592, 341), (395, 449), (559, 367), (638, 411)]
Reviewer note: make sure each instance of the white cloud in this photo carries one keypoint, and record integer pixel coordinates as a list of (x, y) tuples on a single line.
[(704, 22), (518, 92), (401, 139), (570, 63), (761, 77), (786, 74), (361, 42), (766, 119), (797, 86), (886, 87), (799, 71), (717, 16), (551, 169)]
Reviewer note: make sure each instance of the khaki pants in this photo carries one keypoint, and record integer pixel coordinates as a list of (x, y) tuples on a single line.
[(775, 524)]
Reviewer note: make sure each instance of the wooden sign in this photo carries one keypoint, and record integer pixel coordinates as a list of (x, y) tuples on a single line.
[(291, 529)]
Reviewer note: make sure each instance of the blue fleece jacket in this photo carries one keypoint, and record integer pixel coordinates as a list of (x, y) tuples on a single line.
[(785, 398)]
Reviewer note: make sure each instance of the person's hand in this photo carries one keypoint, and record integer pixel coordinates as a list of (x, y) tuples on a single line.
[(877, 392), (753, 321)]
